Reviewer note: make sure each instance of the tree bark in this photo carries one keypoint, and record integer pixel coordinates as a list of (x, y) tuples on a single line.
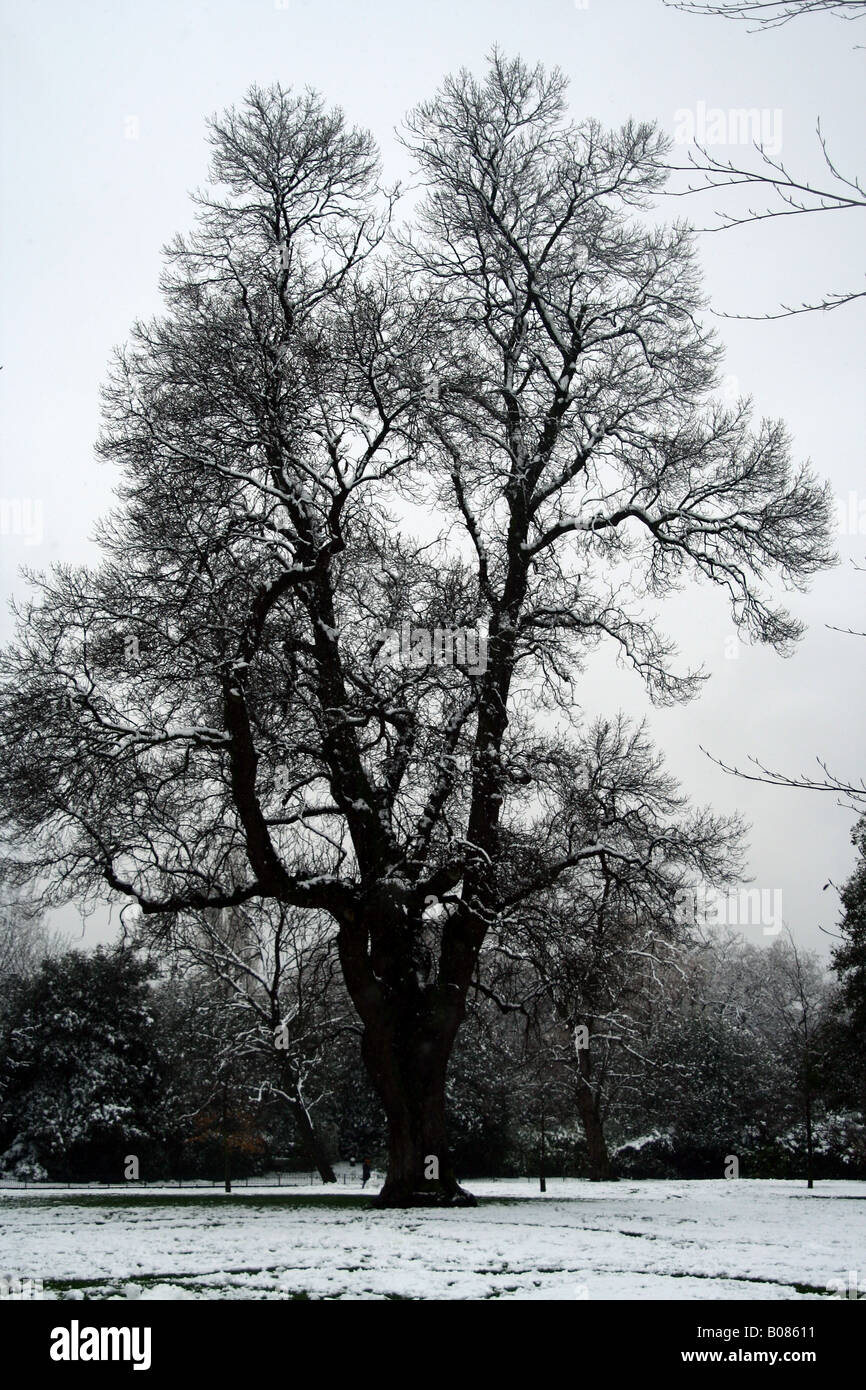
[(810, 1161), (408, 1067), (409, 1028), (312, 1143), (588, 1104), (596, 1146), (227, 1162)]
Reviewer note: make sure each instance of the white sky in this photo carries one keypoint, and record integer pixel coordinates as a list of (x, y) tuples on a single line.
[(86, 210)]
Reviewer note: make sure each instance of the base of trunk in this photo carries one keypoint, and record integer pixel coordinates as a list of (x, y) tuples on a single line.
[(428, 1194)]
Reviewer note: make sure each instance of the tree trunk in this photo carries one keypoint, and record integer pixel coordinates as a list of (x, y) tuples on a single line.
[(227, 1162), (810, 1160), (312, 1143), (408, 1067), (409, 1029), (596, 1146), (588, 1104)]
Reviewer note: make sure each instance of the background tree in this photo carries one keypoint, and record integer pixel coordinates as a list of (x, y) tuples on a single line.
[(521, 376), (596, 939), (787, 193), (25, 938), (222, 1131), (82, 1072), (706, 1088), (745, 1060), (794, 996), (271, 971), (849, 959)]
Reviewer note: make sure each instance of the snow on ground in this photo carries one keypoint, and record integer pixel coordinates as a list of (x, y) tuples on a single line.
[(580, 1240)]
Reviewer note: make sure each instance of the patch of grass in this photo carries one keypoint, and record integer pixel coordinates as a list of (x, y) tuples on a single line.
[(98, 1290), (246, 1198), (183, 1199)]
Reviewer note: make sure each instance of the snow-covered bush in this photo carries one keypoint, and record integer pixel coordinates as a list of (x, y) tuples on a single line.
[(21, 1163), (650, 1155), (81, 1071)]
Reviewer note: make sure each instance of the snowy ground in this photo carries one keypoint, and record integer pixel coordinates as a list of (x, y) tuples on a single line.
[(626, 1240)]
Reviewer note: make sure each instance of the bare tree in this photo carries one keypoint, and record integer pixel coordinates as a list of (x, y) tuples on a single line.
[(602, 940), (522, 376), (770, 14), (25, 939), (273, 970), (854, 792), (793, 995), (787, 193)]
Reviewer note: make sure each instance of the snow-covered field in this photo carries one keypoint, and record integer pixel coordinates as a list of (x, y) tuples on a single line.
[(626, 1240)]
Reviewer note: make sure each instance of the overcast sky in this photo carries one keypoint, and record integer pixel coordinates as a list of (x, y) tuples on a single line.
[(103, 110)]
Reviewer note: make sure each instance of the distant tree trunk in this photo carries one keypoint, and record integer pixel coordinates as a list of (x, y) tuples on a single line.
[(596, 1146), (589, 1108), (311, 1141), (810, 1168), (227, 1164)]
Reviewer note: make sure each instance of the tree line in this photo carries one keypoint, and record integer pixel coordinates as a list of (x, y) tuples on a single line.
[(614, 1049)]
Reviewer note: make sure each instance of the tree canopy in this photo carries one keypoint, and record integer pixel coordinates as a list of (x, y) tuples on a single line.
[(498, 414)]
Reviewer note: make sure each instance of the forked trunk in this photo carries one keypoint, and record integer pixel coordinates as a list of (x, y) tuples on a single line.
[(308, 1135), (409, 1031)]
